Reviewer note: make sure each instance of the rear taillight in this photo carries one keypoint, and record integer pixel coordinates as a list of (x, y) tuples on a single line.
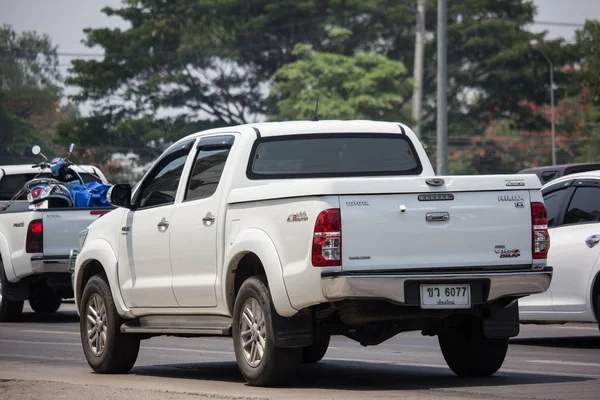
[(36, 192), (35, 237), (541, 239), (327, 239)]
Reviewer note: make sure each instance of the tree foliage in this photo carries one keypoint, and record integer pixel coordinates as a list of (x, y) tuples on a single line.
[(587, 82), (188, 64), (362, 86), (29, 93)]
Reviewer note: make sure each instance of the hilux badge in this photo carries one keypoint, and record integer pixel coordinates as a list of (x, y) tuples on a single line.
[(511, 197)]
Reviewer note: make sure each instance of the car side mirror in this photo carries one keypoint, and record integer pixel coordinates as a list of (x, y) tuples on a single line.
[(120, 195)]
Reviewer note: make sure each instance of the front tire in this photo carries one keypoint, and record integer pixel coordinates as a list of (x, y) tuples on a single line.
[(107, 350), (469, 353), (45, 301), (259, 360), (10, 310)]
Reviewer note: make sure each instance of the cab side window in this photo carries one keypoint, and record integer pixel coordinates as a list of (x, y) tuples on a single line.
[(206, 173), (160, 186), (584, 206)]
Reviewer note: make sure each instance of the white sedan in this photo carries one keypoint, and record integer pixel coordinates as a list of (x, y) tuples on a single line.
[(573, 204)]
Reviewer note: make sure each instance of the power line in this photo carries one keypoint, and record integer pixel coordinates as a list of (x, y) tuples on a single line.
[(558, 23), (246, 46)]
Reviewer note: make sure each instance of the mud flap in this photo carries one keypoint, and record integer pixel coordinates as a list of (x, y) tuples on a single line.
[(296, 331), (502, 323), (19, 291)]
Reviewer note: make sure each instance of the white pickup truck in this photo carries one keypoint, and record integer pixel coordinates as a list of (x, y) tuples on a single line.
[(283, 234), (35, 244)]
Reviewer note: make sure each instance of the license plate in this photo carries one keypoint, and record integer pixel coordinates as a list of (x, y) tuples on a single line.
[(445, 296)]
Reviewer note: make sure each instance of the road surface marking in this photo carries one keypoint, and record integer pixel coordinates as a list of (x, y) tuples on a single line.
[(506, 370), (573, 363), (34, 342), (592, 327), (57, 332), (229, 353), (20, 357)]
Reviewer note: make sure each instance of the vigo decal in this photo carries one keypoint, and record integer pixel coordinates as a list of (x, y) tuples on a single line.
[(507, 253)]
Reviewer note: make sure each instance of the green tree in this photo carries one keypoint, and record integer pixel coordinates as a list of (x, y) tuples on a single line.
[(29, 93), (587, 88), (362, 86), (215, 59)]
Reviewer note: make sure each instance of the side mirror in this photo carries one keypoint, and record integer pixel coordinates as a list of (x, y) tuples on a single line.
[(119, 195), (71, 150), (36, 150)]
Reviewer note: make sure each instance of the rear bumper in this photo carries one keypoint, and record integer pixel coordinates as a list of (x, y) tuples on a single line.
[(403, 288), (50, 264)]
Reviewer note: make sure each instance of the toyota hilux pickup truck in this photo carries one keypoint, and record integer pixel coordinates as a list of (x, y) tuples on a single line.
[(280, 235), (35, 244)]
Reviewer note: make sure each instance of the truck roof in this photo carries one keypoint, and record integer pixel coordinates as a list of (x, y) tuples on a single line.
[(267, 129)]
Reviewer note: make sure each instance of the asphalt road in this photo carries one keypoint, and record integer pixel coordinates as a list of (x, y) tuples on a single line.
[(41, 358)]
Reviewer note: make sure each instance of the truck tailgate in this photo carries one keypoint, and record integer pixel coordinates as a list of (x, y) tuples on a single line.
[(61, 228), (438, 228)]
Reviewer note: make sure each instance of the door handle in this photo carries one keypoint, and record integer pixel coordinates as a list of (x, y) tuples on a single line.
[(209, 219), (437, 217), (163, 225), (592, 241)]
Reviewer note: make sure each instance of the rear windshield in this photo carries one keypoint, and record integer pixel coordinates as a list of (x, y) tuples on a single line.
[(333, 155), (11, 184)]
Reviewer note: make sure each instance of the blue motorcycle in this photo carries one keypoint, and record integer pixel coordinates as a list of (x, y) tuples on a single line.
[(65, 187)]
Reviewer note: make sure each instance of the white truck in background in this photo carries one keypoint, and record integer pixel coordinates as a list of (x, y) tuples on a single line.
[(35, 244), (283, 234)]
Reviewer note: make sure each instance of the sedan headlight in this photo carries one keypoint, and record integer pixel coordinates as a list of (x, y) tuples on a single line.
[(82, 236)]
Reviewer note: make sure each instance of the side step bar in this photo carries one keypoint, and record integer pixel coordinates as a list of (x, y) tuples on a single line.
[(201, 325)]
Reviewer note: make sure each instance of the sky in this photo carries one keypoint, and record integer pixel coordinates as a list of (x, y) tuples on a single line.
[(64, 20)]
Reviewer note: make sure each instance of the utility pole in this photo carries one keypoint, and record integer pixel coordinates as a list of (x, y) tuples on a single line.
[(535, 44), (442, 76), (418, 67)]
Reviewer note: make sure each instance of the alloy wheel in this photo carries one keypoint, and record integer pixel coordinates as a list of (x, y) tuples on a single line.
[(253, 332), (96, 324)]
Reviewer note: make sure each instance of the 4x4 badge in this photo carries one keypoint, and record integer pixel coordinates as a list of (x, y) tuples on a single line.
[(301, 216)]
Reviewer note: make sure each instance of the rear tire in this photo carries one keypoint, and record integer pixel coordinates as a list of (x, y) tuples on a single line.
[(316, 351), (260, 361), (10, 310), (45, 301), (468, 353), (107, 350)]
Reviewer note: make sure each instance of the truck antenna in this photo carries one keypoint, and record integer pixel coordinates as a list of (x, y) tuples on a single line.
[(316, 115)]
